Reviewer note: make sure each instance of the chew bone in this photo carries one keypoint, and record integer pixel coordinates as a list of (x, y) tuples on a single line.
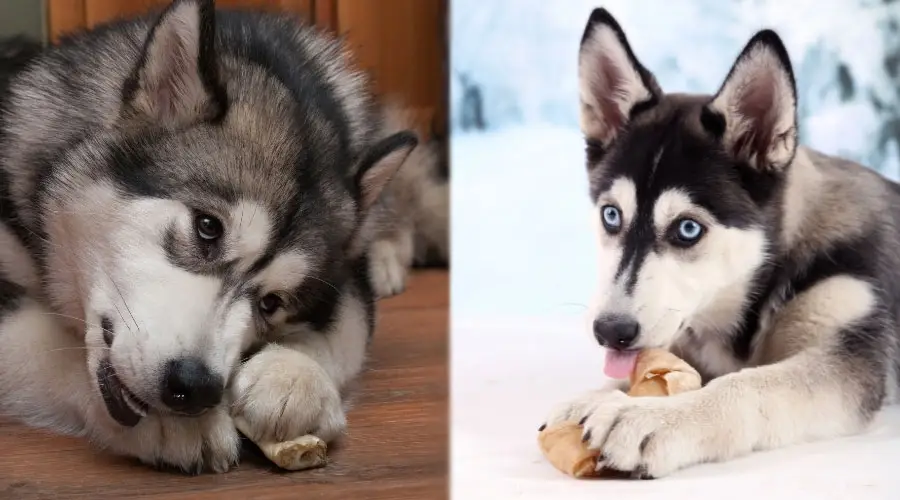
[(656, 373), (305, 452)]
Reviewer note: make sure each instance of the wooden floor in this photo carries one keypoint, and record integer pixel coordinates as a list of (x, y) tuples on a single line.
[(396, 445)]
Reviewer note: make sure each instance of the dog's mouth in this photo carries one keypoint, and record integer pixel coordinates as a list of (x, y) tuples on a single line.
[(123, 406)]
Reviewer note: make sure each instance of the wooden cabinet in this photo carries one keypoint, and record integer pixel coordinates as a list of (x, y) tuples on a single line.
[(401, 43)]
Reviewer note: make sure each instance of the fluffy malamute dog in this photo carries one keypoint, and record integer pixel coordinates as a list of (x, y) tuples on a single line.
[(198, 210), (773, 269)]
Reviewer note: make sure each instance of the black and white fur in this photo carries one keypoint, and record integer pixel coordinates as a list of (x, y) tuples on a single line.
[(773, 269), (198, 213)]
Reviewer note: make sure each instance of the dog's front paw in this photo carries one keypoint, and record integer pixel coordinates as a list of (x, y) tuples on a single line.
[(649, 437), (390, 260), (207, 443), (282, 394)]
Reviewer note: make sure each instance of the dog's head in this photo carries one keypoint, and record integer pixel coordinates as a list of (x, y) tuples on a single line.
[(218, 207), (685, 188)]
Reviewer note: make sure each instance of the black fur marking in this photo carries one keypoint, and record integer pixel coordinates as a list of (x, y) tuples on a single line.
[(363, 284), (128, 167), (644, 442), (594, 151), (713, 122), (742, 339), (106, 325), (763, 186), (9, 214), (642, 107), (207, 63), (639, 242), (11, 295), (318, 299), (863, 345), (845, 258), (262, 262)]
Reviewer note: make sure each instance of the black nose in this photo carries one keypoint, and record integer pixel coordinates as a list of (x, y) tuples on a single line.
[(618, 332), (188, 386)]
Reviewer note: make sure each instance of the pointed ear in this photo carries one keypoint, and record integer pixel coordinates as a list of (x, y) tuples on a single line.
[(612, 82), (378, 166), (755, 111), (176, 82)]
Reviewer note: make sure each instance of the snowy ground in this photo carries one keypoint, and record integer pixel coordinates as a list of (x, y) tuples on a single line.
[(508, 372), (522, 274)]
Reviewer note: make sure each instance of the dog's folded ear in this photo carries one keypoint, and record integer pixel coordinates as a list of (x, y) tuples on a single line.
[(378, 165), (613, 84), (754, 113), (175, 81)]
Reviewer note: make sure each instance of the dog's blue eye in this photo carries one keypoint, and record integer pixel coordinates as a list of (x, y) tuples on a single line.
[(612, 218), (689, 231)]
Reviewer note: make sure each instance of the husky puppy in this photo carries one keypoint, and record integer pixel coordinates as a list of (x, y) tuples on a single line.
[(772, 268), (197, 215)]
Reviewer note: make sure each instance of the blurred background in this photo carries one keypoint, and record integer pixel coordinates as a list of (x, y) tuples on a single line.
[(522, 241)]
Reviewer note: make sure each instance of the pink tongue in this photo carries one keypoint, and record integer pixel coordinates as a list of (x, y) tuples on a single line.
[(619, 364)]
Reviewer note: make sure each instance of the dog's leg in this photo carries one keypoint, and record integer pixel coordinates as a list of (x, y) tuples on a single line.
[(390, 260), (293, 387), (829, 382)]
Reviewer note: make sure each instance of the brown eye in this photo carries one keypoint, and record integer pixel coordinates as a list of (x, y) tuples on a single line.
[(269, 304), (209, 228)]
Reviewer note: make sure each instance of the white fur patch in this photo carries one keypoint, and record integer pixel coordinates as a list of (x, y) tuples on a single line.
[(286, 271), (623, 194), (672, 204), (251, 231)]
